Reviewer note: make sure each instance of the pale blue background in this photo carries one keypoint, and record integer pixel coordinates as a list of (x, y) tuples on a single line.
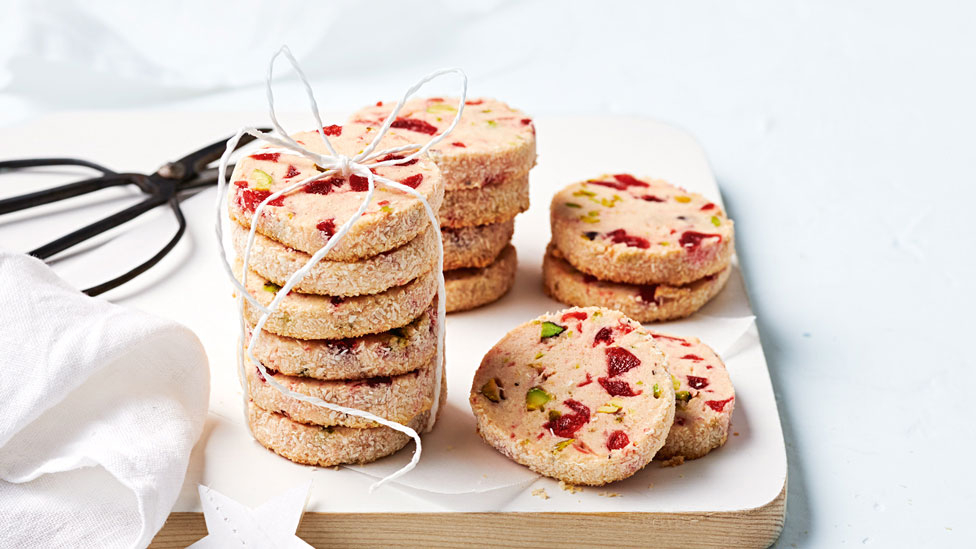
[(842, 134)]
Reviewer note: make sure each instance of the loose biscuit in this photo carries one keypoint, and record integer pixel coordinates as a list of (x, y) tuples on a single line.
[(704, 398), (644, 303), (640, 231), (581, 395)]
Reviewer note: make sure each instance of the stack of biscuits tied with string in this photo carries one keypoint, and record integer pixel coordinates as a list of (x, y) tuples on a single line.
[(485, 165), (360, 330)]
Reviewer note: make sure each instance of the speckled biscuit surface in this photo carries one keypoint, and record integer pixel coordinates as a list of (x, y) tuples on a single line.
[(307, 217), (581, 395), (492, 142), (277, 262), (326, 446), (391, 353), (640, 231), (470, 288), (396, 398), (644, 303), (704, 397), (493, 203), (475, 246), (309, 316)]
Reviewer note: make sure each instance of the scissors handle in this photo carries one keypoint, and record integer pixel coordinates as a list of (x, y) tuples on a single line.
[(63, 192)]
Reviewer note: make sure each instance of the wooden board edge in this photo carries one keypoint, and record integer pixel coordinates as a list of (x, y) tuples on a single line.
[(758, 527)]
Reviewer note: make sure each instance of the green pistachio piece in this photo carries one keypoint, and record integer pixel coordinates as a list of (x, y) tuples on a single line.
[(608, 408), (536, 398), (492, 124), (683, 396), (492, 391), (554, 415), (539, 355), (271, 287), (551, 329), (657, 391), (262, 181), (675, 382), (561, 445), (683, 199), (573, 205), (440, 107), (584, 192), (716, 221)]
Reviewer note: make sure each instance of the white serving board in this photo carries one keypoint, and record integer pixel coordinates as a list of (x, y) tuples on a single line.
[(189, 286)]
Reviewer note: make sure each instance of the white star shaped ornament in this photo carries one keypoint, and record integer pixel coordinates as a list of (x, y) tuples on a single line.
[(272, 525)]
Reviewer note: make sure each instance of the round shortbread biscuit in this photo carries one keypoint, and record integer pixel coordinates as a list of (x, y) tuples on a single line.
[(327, 446), (391, 353), (307, 217), (581, 395), (623, 229), (704, 398), (474, 247), (309, 316), (492, 142), (644, 303), (470, 288), (493, 203), (396, 398), (277, 262)]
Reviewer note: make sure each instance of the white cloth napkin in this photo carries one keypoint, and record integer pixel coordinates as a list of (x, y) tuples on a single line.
[(100, 406)]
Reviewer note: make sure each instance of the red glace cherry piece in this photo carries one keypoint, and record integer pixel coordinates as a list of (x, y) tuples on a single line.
[(617, 387), (327, 227), (323, 186), (358, 183), (474, 101), (696, 358), (414, 125), (604, 335), (271, 157), (617, 440), (578, 315), (718, 405), (652, 198), (587, 381), (696, 382), (707, 207), (459, 144), (566, 425), (292, 172), (393, 156), (620, 236), (413, 181), (646, 293), (620, 360), (249, 199), (691, 240), (332, 130)]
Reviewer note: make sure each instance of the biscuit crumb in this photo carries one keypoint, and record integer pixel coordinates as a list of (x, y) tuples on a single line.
[(540, 492), (610, 494), (571, 488), (650, 486), (735, 433), (673, 462), (336, 468)]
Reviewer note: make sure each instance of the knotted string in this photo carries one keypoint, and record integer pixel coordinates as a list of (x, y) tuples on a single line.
[(332, 164)]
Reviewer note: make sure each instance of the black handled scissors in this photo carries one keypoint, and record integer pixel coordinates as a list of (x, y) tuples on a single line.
[(168, 185)]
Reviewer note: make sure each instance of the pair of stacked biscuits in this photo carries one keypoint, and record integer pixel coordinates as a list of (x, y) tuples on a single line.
[(360, 329), (589, 396), (642, 246), (485, 164)]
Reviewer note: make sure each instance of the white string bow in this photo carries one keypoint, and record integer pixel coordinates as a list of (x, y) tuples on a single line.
[(333, 163)]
